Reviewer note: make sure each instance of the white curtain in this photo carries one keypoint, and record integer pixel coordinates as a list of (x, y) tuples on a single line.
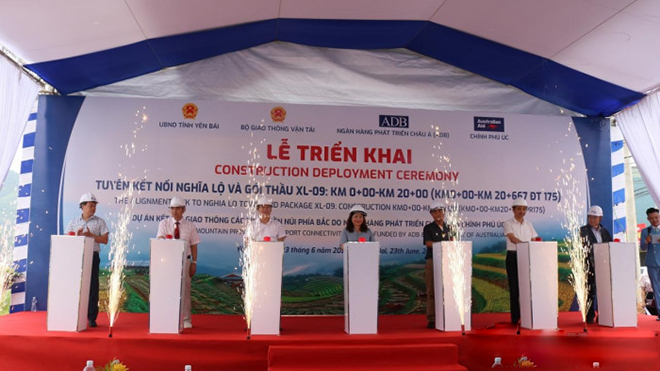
[(640, 126), (17, 96)]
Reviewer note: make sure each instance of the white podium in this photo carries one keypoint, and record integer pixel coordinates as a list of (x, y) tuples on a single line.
[(166, 285), (538, 283), (616, 287), (69, 279), (452, 268), (361, 265), (266, 261)]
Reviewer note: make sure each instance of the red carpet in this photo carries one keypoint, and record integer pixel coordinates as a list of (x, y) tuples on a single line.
[(219, 342), (419, 357)]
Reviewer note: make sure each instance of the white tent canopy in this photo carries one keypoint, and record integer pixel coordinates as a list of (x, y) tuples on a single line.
[(543, 57), (559, 51)]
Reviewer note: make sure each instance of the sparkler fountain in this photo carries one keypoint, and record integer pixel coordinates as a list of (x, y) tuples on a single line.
[(575, 247), (121, 235), (459, 262), (249, 269), (7, 266), (459, 258)]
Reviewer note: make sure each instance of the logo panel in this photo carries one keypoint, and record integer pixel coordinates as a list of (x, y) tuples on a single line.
[(389, 121), (489, 124), (189, 111)]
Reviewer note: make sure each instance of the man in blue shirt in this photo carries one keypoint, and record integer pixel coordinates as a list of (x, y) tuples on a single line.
[(650, 242)]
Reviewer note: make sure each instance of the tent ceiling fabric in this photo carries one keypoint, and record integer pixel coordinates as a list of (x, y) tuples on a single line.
[(282, 73), (593, 57)]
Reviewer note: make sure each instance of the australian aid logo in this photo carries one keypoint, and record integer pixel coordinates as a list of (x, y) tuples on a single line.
[(489, 124), (493, 125)]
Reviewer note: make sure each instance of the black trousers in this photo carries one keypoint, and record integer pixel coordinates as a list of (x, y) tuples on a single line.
[(93, 307), (514, 291)]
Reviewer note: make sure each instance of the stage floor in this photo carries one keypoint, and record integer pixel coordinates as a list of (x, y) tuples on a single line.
[(219, 342)]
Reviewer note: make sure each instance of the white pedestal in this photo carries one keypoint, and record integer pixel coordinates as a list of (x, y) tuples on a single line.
[(616, 284), (266, 260), (166, 285), (446, 264), (361, 260), (69, 278), (539, 286)]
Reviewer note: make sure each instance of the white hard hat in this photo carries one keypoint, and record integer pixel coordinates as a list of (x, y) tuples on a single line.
[(595, 211), (177, 202), (263, 200), (437, 205), (358, 209), (88, 197), (519, 202)]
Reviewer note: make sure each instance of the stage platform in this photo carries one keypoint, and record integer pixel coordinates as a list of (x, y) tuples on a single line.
[(219, 342)]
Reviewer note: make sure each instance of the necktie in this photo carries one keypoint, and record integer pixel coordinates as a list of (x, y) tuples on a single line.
[(177, 234)]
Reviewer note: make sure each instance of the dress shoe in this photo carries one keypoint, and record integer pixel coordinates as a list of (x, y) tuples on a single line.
[(430, 325), (92, 324)]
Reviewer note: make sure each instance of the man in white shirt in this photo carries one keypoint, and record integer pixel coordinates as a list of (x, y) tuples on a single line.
[(264, 228), (516, 230), (90, 225), (180, 229)]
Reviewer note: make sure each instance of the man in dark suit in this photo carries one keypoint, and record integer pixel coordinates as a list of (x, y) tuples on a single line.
[(436, 231), (592, 233)]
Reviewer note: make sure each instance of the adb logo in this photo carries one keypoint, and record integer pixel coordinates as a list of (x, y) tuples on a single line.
[(386, 121)]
